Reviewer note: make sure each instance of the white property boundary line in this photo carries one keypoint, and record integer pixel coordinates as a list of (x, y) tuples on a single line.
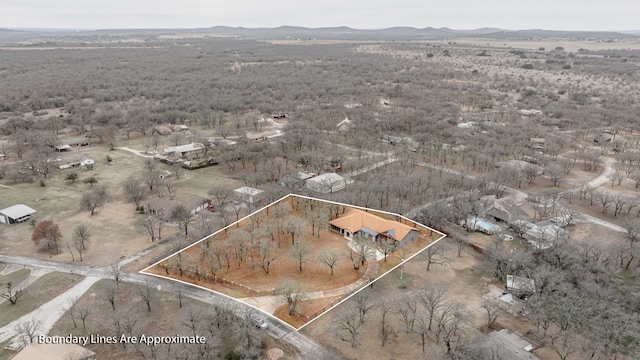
[(443, 235)]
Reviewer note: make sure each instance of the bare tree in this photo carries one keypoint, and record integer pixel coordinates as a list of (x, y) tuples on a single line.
[(83, 312), (299, 252), (146, 294), (80, 238), (27, 331), (386, 246), (435, 255), (433, 296), (134, 190), (292, 293), (192, 320), (221, 195), (493, 310), (71, 310), (294, 227), (407, 308), (362, 249), (110, 293), (461, 243), (330, 258), (95, 198), (11, 294), (363, 303), (386, 329), (117, 273), (348, 326), (183, 217), (268, 254)]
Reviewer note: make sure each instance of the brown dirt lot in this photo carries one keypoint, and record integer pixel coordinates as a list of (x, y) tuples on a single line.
[(249, 280)]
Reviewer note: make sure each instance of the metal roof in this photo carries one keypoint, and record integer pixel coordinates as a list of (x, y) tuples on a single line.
[(17, 211)]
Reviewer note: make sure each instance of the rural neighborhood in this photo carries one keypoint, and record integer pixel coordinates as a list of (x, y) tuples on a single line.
[(294, 193)]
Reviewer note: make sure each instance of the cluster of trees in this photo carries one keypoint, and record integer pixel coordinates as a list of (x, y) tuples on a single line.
[(431, 314), (227, 329), (579, 307), (48, 236)]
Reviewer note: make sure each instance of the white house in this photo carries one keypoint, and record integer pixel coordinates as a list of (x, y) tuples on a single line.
[(184, 150), (73, 163), (326, 183)]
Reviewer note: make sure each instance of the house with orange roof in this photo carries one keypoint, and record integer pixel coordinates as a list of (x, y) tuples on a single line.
[(359, 222)]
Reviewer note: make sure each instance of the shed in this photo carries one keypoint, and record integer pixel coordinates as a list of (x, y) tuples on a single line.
[(15, 214), (249, 194)]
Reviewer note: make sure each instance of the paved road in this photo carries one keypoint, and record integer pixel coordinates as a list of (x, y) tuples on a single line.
[(277, 328), (47, 314)]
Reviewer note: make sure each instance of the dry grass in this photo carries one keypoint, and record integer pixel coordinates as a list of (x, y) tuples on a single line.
[(15, 278), (166, 318)]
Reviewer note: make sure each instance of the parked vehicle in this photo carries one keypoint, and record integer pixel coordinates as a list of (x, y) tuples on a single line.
[(258, 322)]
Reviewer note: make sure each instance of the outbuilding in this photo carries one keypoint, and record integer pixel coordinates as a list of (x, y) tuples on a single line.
[(15, 214)]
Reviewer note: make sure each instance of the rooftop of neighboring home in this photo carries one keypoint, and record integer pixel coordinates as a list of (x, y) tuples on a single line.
[(249, 191), (184, 148), (37, 351)]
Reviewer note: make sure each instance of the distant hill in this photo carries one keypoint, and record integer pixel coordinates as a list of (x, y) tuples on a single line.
[(408, 33), (9, 36)]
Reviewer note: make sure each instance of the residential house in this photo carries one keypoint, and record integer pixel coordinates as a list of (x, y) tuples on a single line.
[(16, 214), (62, 147), (617, 143), (164, 207), (520, 285), (326, 183), (162, 130), (74, 162), (359, 222), (184, 150), (503, 209), (542, 235), (38, 351), (85, 141), (297, 180), (249, 195)]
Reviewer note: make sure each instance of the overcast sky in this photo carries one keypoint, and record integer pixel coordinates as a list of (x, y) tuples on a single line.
[(360, 14)]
